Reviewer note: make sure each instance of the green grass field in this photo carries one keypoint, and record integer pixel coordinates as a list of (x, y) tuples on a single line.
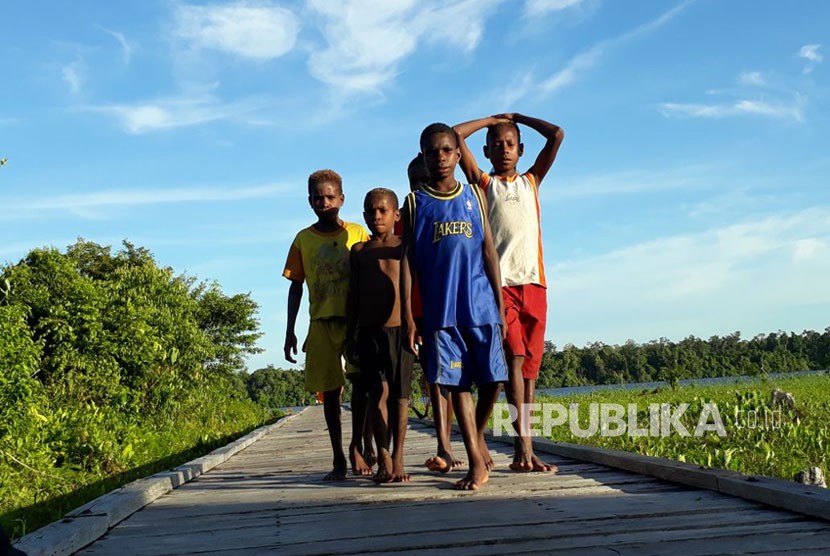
[(759, 439)]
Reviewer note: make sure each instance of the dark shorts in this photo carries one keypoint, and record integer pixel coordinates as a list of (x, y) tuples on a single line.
[(383, 359)]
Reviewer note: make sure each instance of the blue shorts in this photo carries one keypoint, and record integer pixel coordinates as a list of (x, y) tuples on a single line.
[(465, 356)]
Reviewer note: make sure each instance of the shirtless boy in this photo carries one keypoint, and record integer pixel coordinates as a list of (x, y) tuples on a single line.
[(374, 320)]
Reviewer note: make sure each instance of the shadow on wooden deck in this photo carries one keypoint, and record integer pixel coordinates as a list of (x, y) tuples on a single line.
[(269, 499)]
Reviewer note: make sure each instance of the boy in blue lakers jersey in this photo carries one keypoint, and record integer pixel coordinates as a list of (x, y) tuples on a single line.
[(448, 249)]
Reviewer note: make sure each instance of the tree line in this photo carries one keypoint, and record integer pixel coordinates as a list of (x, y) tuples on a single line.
[(599, 363), (692, 357)]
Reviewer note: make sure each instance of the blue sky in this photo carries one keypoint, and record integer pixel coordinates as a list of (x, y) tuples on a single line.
[(690, 195)]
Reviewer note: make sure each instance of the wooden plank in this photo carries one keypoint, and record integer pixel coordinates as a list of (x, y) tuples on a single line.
[(268, 499), (788, 495)]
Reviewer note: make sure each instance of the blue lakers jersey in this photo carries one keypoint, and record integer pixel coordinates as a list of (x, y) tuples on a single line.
[(448, 233)]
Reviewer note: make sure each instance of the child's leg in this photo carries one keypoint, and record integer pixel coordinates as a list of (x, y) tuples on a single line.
[(368, 442), (331, 410), (516, 397), (379, 399), (399, 419), (465, 412), (488, 394), (530, 399), (359, 466), (441, 402)]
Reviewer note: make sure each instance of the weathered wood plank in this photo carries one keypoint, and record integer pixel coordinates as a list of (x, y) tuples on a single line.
[(268, 499)]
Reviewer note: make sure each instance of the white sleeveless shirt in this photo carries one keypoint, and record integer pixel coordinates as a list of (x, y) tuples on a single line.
[(515, 221)]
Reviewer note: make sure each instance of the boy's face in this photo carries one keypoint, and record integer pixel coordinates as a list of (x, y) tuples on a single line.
[(380, 215), (503, 149), (325, 199), (441, 155)]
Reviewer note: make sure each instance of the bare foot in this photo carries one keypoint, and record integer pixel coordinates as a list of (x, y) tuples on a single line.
[(539, 465), (398, 473), (443, 462), (522, 459), (438, 464), (359, 466), (384, 465), (336, 475), (485, 454), (473, 480)]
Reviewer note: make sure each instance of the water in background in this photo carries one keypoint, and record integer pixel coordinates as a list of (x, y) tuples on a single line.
[(576, 390)]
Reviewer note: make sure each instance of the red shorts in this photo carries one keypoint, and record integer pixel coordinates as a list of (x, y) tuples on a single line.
[(526, 308)]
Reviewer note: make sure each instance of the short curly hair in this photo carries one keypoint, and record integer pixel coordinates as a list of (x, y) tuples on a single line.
[(434, 129), (320, 176), (491, 130), (380, 193)]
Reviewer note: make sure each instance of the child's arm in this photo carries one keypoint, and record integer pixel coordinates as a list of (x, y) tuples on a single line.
[(491, 268), (468, 162), (352, 303), (554, 135), (295, 297), (407, 275)]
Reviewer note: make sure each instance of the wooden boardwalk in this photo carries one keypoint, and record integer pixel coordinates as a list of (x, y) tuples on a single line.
[(269, 499)]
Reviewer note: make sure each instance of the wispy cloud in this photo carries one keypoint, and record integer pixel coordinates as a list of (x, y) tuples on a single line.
[(126, 48), (631, 182), (710, 282), (73, 75), (260, 30), (793, 110), (535, 8), (755, 95), (810, 51), (589, 58), (752, 78), (365, 41), (86, 204), (811, 54), (188, 109)]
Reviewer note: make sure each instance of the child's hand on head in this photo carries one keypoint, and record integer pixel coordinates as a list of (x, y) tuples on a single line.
[(507, 116)]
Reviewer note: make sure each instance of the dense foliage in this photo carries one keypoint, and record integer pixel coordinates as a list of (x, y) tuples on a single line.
[(278, 388), (760, 438), (599, 363), (109, 362)]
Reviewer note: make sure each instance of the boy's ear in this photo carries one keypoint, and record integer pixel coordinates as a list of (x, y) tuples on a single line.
[(521, 149), (397, 214), (486, 152)]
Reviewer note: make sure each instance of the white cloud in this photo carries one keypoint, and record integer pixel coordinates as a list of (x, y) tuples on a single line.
[(631, 182), (769, 272), (73, 76), (780, 110), (810, 52), (535, 8), (126, 49), (589, 58), (752, 78), (367, 39), (173, 112), (85, 204), (809, 249), (260, 30)]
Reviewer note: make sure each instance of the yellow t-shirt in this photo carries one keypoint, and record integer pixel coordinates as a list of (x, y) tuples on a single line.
[(321, 260)]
